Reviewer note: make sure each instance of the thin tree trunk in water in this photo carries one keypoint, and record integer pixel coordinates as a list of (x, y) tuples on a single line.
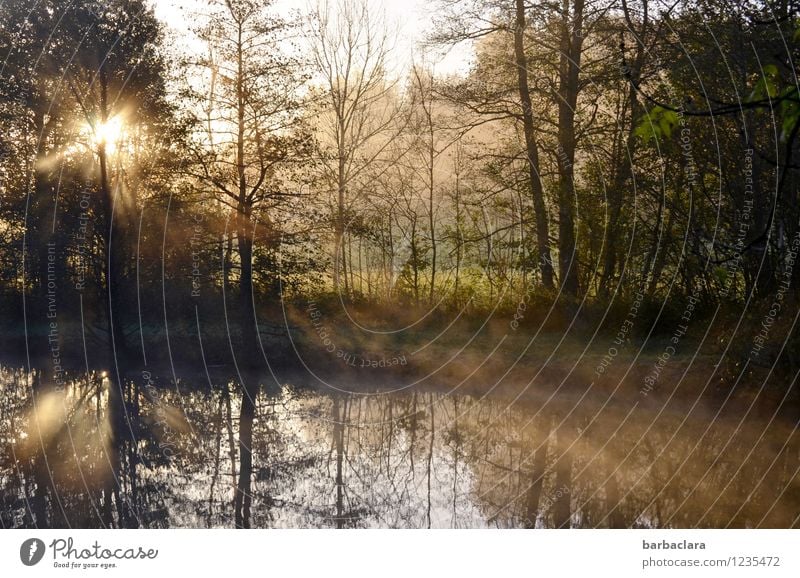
[(429, 465), (39, 473), (390, 437), (561, 509), (338, 435), (455, 462), (39, 500), (413, 433), (532, 149), (231, 443), (539, 470), (131, 502), (217, 455), (243, 498)]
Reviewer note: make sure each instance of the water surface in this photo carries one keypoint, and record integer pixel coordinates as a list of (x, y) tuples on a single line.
[(408, 459)]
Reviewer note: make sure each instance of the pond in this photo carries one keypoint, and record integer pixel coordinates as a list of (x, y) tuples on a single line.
[(406, 459)]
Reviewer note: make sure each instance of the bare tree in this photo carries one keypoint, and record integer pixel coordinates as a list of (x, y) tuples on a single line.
[(359, 112)]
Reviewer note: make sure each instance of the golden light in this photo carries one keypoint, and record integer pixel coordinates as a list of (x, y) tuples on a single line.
[(109, 133)]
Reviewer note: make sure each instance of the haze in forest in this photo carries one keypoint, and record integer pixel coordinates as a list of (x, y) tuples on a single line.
[(587, 212)]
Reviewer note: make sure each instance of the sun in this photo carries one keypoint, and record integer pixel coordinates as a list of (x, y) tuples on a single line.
[(109, 133)]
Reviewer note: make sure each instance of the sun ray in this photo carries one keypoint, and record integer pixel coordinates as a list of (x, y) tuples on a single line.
[(109, 133)]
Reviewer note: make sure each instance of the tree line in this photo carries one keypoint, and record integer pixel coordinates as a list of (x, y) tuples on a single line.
[(593, 149)]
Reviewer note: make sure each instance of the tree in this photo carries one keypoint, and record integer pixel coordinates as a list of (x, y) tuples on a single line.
[(358, 113), (571, 33), (246, 136), (478, 19), (86, 96), (117, 79), (532, 147)]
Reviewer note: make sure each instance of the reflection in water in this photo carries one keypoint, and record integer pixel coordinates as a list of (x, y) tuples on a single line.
[(412, 459)]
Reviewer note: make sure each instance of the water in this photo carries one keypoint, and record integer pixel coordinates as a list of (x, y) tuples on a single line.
[(409, 459)]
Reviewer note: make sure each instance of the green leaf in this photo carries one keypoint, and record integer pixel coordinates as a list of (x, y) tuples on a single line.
[(657, 123), (646, 129), (668, 120), (767, 85)]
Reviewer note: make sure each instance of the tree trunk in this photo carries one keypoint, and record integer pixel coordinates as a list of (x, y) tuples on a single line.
[(625, 158), (616, 193), (569, 69), (338, 433), (532, 150), (339, 257), (243, 497), (534, 493), (561, 510), (113, 233), (457, 202), (431, 189)]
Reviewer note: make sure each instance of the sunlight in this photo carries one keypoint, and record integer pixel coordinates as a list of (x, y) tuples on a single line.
[(109, 133), (46, 418)]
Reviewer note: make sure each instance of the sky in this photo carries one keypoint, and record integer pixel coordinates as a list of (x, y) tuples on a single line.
[(411, 19)]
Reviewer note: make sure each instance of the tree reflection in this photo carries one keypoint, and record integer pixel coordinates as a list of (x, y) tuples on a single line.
[(299, 458)]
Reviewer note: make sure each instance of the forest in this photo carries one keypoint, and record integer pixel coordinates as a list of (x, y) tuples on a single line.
[(234, 229)]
